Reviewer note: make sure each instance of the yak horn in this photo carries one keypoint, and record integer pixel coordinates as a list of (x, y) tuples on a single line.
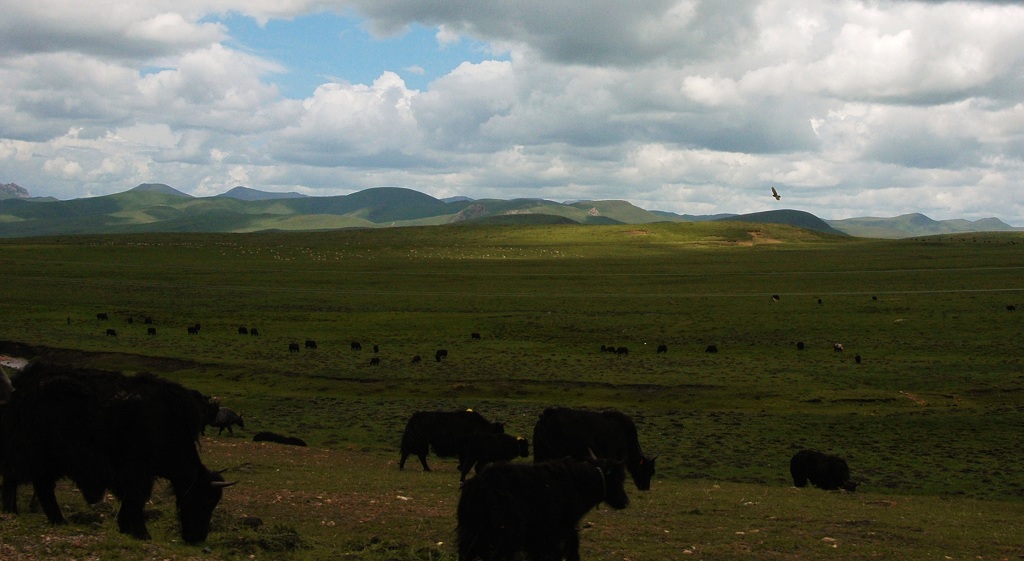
[(6, 389), (222, 484)]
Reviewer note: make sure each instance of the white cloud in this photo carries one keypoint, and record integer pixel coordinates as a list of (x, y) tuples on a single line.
[(693, 106)]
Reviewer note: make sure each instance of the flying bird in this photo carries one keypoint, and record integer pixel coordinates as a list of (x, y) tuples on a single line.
[(776, 194)]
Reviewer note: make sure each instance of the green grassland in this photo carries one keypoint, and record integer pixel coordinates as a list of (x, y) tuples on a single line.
[(930, 420)]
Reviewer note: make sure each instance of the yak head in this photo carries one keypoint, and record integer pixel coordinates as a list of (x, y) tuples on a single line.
[(643, 471), (613, 478), (196, 504)]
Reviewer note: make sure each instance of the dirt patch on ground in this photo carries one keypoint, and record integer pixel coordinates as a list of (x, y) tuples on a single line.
[(636, 232), (20, 353)]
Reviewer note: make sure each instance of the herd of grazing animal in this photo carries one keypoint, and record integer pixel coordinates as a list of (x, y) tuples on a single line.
[(107, 431)]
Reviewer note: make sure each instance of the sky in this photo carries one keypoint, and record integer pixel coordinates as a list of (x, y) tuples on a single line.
[(850, 108)]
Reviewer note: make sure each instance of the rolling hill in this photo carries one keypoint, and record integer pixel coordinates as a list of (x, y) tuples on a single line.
[(155, 207)]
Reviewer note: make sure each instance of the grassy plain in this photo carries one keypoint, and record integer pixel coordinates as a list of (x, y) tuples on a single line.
[(930, 420)]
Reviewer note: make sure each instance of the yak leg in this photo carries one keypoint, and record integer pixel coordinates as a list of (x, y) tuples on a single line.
[(130, 517), (572, 546), (9, 494), (44, 488), (423, 460)]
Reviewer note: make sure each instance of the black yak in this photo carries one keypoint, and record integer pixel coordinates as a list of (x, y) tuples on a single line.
[(482, 448), (534, 508), (310, 344), (105, 430), (822, 470), (225, 418), (443, 431), (441, 353), (266, 436), (608, 434), (293, 347)]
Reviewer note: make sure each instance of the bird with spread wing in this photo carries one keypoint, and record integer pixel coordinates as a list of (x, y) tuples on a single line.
[(776, 194)]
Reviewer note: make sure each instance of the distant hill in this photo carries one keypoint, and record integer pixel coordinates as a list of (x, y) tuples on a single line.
[(912, 225), (796, 218), (247, 194), (155, 207), (159, 188)]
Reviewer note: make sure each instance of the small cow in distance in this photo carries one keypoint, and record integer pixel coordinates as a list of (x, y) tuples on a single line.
[(822, 470), (441, 353), (443, 431), (356, 346), (578, 433), (416, 359), (310, 344), (102, 316), (254, 332), (375, 361), (266, 436), (225, 419), (482, 448), (243, 330), (474, 335), (838, 347), (293, 347), (111, 333), (150, 331), (662, 349), (534, 509), (711, 349)]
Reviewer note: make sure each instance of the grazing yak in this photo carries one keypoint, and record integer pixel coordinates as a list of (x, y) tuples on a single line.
[(662, 349), (105, 430), (441, 353), (310, 344), (482, 448), (225, 418), (607, 434), (444, 431), (293, 347), (822, 470), (534, 509), (265, 436)]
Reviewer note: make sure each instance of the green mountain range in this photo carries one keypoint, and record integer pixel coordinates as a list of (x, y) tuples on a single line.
[(160, 208)]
